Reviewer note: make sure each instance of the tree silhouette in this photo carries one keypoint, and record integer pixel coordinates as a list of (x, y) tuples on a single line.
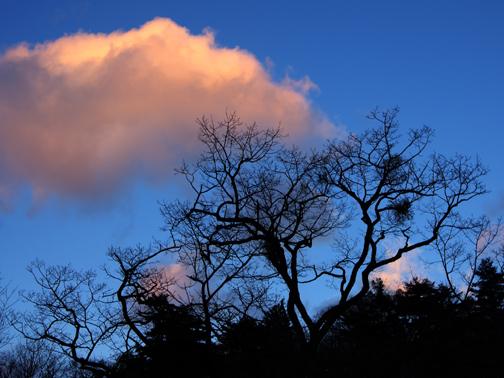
[(460, 250), (267, 347), (489, 286), (370, 330), (420, 330), (252, 191), (5, 311), (80, 315), (29, 359), (258, 219), (174, 342)]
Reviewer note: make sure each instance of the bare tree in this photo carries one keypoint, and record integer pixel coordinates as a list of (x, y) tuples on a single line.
[(498, 254), (220, 287), (460, 250), (397, 194), (84, 317), (72, 311), (6, 303), (31, 359), (251, 190), (259, 220)]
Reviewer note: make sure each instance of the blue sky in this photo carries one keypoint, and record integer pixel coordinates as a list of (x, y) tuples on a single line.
[(439, 61)]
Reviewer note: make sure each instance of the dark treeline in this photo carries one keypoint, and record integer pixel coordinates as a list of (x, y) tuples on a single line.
[(421, 329), (418, 330)]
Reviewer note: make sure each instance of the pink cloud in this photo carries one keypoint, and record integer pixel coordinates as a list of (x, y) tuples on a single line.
[(89, 114), (396, 273), (177, 273)]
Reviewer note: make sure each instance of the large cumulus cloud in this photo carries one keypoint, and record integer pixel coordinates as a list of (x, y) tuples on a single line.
[(87, 114)]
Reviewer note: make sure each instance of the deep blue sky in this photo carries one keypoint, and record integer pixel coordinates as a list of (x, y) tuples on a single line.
[(440, 61)]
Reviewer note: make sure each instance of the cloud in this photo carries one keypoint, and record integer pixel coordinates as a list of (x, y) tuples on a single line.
[(396, 273), (88, 115), (177, 273)]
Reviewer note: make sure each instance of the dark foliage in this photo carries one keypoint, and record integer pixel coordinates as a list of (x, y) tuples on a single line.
[(489, 287), (174, 347), (420, 330), (266, 348)]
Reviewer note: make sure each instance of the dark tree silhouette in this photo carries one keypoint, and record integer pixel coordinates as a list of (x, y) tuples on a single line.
[(29, 359), (260, 348), (259, 213), (370, 331), (420, 330), (486, 320), (80, 315), (460, 250), (6, 303), (489, 286), (175, 344), (252, 191)]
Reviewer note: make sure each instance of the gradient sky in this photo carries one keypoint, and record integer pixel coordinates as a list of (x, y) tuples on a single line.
[(98, 100)]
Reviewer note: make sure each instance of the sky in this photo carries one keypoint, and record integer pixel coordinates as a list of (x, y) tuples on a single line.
[(99, 101)]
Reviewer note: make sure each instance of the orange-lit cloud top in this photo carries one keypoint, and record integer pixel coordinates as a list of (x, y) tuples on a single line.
[(87, 114), (396, 273)]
